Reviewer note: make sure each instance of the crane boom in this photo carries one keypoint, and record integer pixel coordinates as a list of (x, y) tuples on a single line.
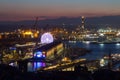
[(35, 24)]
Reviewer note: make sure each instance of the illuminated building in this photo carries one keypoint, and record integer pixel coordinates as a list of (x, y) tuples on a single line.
[(109, 33), (30, 34), (49, 50)]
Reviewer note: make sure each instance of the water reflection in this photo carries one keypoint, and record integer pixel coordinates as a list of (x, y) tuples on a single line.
[(98, 50), (118, 45), (101, 45), (15, 64), (33, 66)]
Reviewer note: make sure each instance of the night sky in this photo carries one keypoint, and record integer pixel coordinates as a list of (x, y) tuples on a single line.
[(15, 10)]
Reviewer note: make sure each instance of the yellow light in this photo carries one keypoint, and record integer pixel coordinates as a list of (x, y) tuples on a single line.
[(83, 17), (37, 31), (35, 35), (28, 33), (0, 37), (118, 34)]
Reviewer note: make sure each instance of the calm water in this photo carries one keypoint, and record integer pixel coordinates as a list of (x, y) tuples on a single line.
[(98, 50), (33, 66)]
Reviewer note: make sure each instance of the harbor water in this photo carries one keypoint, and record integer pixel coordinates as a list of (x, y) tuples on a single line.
[(97, 50)]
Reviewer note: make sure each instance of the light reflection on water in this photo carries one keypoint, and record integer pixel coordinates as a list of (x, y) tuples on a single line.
[(98, 50), (118, 45), (15, 64), (33, 66)]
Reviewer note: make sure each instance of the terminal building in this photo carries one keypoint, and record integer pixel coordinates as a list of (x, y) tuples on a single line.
[(48, 51)]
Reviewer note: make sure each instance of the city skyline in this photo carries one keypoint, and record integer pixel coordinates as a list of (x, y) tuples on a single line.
[(48, 9)]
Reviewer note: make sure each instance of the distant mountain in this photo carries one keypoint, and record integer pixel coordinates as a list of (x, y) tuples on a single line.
[(90, 21)]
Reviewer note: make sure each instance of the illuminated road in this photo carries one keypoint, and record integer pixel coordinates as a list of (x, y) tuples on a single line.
[(65, 65)]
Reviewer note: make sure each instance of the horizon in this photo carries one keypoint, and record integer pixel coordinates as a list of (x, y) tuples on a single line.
[(49, 9), (55, 18)]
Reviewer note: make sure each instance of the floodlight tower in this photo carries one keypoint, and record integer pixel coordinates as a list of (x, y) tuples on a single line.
[(83, 22)]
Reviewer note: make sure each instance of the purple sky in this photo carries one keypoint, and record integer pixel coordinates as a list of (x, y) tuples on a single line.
[(15, 10)]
